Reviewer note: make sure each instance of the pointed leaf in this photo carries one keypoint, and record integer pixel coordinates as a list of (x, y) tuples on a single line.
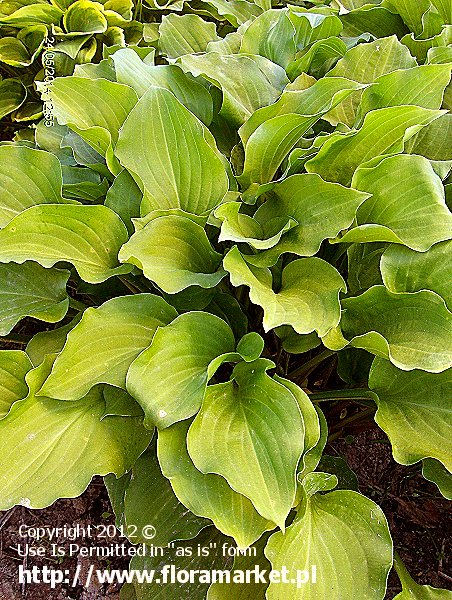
[(237, 435), (185, 34), (89, 237), (404, 270), (407, 205), (102, 346), (411, 330), (29, 290), (383, 131), (417, 423), (335, 532), (247, 81), (14, 365), (150, 500), (412, 591), (308, 299), (84, 16), (169, 378), (271, 133), (51, 449), (174, 253), (320, 209), (207, 495), (132, 71), (199, 182), (28, 177), (12, 96), (365, 63)]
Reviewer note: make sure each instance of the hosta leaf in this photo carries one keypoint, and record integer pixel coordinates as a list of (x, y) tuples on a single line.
[(313, 24), (13, 52), (33, 14), (12, 96), (433, 141), (417, 423), (207, 495), (437, 473), (132, 71), (28, 177), (271, 35), (89, 237), (308, 299), (49, 342), (320, 209), (412, 591), (124, 197), (317, 57), (149, 499), (185, 34), (93, 108), (407, 205), (247, 81), (30, 290), (169, 378), (102, 346), (418, 16), (327, 529), (51, 449), (14, 365), (375, 19), (237, 435), (175, 253), (404, 270), (421, 86), (240, 227), (199, 182), (271, 133), (84, 16), (411, 330), (236, 12), (364, 63), (184, 558), (246, 562), (383, 131)]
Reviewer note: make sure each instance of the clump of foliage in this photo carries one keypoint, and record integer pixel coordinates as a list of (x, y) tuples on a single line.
[(234, 230)]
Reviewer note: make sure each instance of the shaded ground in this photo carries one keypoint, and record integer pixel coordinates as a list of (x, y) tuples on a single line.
[(417, 514)]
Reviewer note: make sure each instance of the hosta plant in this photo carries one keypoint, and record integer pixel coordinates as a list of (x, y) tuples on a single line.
[(229, 239)]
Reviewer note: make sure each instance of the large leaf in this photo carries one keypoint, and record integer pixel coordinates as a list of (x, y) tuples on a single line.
[(411, 330), (93, 108), (320, 209), (365, 63), (185, 34), (199, 182), (169, 378), (175, 253), (417, 423), (247, 81), (12, 96), (30, 290), (102, 346), (238, 433), (184, 556), (335, 532), (124, 197), (407, 205), (404, 270), (132, 71), (421, 86), (437, 473), (84, 16), (271, 133), (51, 449), (207, 495), (14, 365), (308, 299), (89, 237), (148, 499), (271, 35), (383, 131), (28, 177)]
